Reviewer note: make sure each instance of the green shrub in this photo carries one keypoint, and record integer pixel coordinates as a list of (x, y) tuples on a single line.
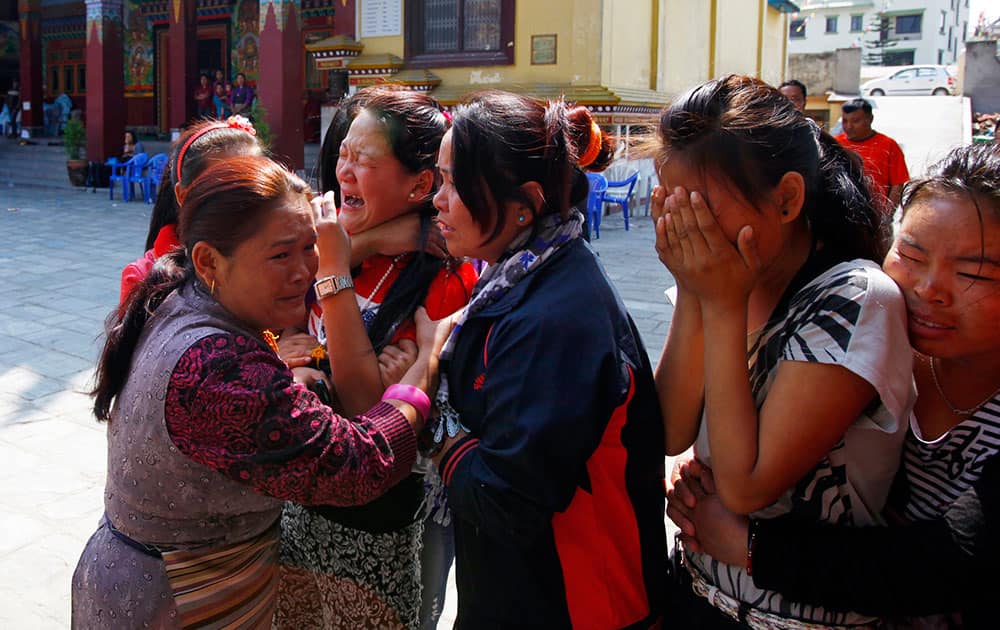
[(74, 137), (259, 117)]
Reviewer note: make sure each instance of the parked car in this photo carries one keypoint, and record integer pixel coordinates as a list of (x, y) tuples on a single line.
[(912, 81)]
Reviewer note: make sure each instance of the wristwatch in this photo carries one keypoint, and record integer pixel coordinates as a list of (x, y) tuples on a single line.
[(332, 285)]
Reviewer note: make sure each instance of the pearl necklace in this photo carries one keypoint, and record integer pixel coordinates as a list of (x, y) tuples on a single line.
[(385, 276), (955, 410)]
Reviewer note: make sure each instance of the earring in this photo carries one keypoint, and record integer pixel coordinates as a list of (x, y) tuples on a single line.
[(212, 290), (784, 213), (520, 218), (412, 195)]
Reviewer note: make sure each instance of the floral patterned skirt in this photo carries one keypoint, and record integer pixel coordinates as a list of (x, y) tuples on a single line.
[(334, 576)]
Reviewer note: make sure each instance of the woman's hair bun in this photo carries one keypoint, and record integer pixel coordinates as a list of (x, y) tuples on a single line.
[(593, 147)]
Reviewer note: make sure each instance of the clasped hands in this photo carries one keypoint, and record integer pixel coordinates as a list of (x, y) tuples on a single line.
[(706, 524)]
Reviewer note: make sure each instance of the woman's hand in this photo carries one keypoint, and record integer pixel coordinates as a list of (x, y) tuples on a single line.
[(706, 525), (333, 242), (691, 244), (431, 335), (294, 345), (395, 360), (397, 236), (309, 376)]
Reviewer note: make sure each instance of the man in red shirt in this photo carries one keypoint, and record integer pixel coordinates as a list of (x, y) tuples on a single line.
[(882, 157)]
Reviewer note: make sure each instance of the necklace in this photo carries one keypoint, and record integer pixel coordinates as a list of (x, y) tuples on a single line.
[(955, 410), (385, 276)]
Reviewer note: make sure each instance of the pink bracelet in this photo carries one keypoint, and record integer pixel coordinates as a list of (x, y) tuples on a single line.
[(410, 395)]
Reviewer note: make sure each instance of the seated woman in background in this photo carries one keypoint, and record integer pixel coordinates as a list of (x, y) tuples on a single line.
[(207, 432), (550, 442), (948, 488), (786, 364), (131, 146)]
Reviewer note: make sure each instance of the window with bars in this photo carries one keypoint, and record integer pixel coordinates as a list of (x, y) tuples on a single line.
[(459, 32)]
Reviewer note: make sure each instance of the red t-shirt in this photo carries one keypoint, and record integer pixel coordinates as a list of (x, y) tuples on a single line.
[(883, 160)]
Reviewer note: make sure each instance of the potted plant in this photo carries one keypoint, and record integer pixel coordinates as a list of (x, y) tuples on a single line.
[(74, 137)]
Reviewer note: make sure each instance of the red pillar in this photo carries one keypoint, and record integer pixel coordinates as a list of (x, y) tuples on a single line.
[(30, 13), (183, 66), (280, 85), (344, 18), (105, 85)]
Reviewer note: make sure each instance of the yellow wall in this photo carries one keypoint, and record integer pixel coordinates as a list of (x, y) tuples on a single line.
[(577, 25), (736, 37), (626, 39), (773, 64), (609, 42), (684, 45)]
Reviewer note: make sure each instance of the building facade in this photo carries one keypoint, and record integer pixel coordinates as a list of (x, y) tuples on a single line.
[(913, 31), (136, 63)]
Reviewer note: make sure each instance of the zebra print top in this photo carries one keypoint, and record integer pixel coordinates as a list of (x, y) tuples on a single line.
[(852, 315)]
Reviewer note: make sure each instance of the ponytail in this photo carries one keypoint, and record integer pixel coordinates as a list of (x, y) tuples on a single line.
[(501, 141), (125, 325), (841, 211)]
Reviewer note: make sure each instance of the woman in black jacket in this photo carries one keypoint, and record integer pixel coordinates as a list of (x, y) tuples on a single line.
[(551, 440)]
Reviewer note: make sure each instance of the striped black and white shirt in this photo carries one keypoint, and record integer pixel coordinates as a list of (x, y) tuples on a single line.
[(939, 471), (852, 315)]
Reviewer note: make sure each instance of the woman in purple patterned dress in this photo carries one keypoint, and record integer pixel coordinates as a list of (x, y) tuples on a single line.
[(208, 433)]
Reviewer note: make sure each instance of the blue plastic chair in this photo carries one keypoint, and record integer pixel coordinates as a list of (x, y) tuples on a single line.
[(127, 173), (154, 173), (622, 200), (595, 207)]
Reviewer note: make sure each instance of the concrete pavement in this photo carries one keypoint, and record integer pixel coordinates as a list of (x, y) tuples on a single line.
[(60, 259)]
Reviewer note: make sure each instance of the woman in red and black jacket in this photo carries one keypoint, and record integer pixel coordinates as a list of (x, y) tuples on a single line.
[(549, 444)]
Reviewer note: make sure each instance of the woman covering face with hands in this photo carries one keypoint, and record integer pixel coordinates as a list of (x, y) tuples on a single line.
[(940, 558), (786, 364)]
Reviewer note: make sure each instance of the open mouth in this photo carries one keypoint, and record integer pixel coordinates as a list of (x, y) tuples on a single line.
[(353, 201), (444, 227)]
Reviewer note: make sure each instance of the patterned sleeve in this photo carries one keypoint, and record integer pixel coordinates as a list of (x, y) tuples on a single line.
[(854, 316), (232, 406)]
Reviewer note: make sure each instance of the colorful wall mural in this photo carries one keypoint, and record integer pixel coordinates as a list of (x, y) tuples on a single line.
[(246, 41), (138, 50)]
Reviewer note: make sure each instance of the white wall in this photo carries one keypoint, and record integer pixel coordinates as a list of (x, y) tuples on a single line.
[(925, 46)]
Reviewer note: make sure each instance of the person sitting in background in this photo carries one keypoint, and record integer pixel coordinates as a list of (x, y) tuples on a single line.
[(883, 159), (131, 146), (242, 96), (221, 101)]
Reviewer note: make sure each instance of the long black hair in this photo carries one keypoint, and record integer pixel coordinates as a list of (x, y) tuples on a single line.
[(747, 133), (413, 124)]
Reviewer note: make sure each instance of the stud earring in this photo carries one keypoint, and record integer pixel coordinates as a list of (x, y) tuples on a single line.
[(520, 218), (412, 195)]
